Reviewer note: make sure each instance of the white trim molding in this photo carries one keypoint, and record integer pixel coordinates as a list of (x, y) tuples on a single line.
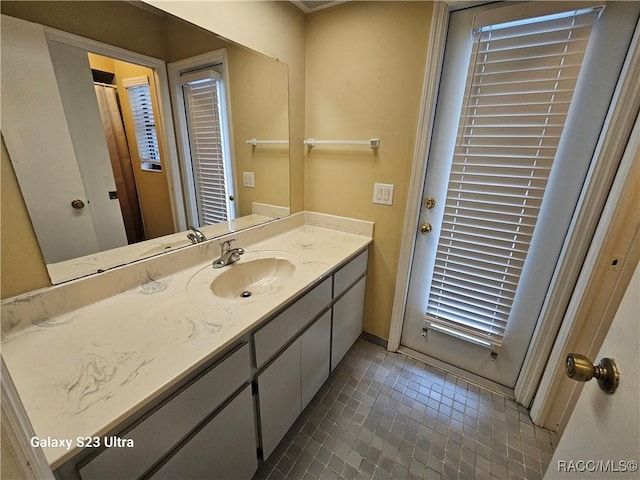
[(16, 425), (433, 69)]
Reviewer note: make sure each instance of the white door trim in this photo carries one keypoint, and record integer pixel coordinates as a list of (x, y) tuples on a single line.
[(433, 69), (164, 115), (618, 124)]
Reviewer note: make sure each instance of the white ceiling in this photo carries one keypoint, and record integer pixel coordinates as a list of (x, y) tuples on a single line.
[(308, 6)]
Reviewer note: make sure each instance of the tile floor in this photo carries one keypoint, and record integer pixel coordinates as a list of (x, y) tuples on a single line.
[(383, 415)]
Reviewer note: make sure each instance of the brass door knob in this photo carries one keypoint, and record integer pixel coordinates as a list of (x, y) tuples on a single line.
[(425, 228), (77, 204), (580, 368)]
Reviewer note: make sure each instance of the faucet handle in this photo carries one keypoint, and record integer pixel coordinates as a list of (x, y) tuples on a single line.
[(226, 245)]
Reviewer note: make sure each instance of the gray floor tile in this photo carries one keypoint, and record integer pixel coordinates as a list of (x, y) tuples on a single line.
[(382, 415)]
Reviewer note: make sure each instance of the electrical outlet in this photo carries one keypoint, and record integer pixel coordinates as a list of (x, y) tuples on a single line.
[(383, 193), (248, 180)]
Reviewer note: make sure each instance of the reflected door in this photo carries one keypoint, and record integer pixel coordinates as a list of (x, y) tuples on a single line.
[(515, 129), (208, 146), (62, 199)]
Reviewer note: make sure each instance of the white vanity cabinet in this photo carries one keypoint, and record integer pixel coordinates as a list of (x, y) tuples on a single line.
[(288, 383), (220, 423)]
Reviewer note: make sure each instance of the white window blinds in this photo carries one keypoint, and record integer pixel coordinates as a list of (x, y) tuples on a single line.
[(202, 104), (144, 122), (520, 83)]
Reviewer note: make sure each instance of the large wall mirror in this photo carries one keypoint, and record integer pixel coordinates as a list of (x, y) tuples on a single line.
[(126, 126)]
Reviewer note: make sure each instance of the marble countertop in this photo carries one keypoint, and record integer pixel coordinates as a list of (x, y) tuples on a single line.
[(84, 372)]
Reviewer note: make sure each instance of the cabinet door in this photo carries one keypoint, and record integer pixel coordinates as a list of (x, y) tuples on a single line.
[(347, 321), (168, 425), (314, 357), (279, 394), (224, 448)]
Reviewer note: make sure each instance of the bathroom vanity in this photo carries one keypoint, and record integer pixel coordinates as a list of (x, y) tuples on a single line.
[(184, 375)]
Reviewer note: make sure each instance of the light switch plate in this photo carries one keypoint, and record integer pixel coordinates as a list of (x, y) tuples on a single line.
[(248, 179), (383, 193)]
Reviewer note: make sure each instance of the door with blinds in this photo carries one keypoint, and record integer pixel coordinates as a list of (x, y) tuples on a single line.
[(524, 95), (209, 166)]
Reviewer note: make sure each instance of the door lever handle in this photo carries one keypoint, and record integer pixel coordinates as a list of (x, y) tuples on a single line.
[(580, 368)]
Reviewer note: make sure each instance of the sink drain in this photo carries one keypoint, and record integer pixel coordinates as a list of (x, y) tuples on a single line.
[(245, 294)]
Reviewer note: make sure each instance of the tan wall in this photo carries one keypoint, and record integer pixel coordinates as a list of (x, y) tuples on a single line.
[(21, 264), (259, 107), (365, 67), (276, 29), (96, 20)]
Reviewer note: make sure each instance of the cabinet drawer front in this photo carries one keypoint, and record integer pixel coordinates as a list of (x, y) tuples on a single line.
[(165, 427), (270, 338), (348, 274)]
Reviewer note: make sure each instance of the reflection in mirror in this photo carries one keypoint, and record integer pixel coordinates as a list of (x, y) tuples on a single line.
[(106, 178)]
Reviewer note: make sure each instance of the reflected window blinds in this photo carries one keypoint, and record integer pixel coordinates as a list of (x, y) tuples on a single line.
[(202, 104), (144, 122), (520, 83)]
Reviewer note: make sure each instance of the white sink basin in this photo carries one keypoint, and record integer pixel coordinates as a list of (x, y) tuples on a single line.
[(244, 279)]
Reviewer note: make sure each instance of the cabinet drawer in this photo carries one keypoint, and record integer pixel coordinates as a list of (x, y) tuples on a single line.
[(348, 274), (270, 338), (165, 427)]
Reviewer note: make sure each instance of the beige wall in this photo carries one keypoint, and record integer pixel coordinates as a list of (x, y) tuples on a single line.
[(365, 67), (274, 28), (21, 264), (258, 90)]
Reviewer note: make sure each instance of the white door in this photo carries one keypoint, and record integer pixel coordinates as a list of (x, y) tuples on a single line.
[(52, 128), (602, 439), (202, 110), (39, 143), (506, 179)]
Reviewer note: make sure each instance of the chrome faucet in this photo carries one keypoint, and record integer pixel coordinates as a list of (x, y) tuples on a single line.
[(197, 236), (228, 255)]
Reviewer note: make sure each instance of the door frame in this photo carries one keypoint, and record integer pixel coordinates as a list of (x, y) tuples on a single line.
[(618, 125), (164, 115)]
